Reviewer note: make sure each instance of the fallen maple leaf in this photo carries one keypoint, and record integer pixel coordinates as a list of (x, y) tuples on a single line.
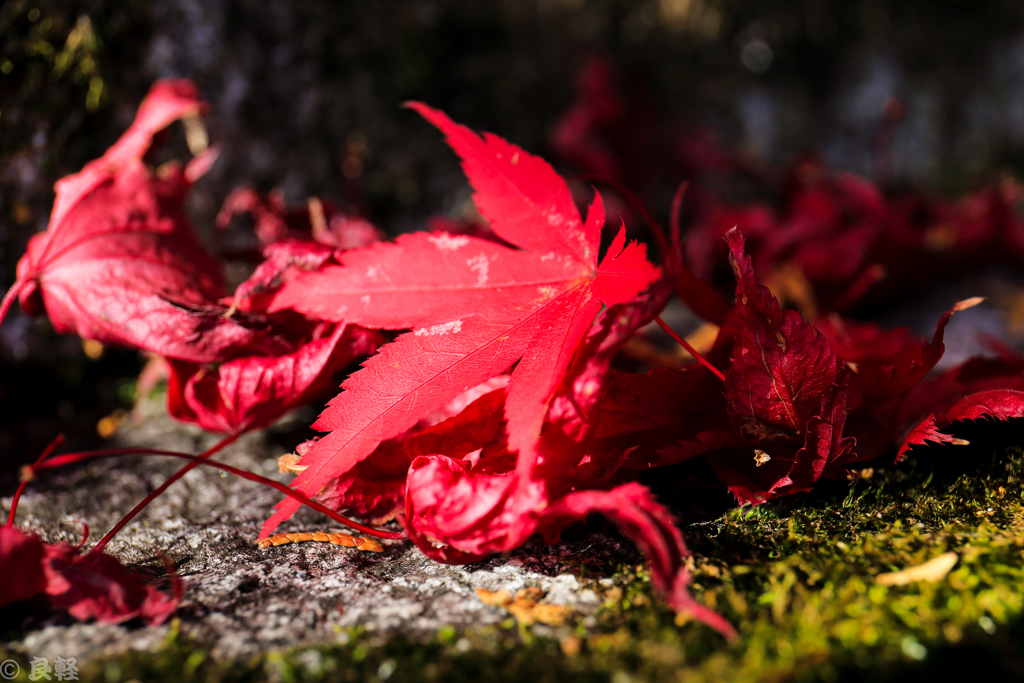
[(119, 262), (825, 446), (21, 557), (635, 512), (93, 585), (998, 404), (253, 391), (781, 365), (96, 586), (476, 308)]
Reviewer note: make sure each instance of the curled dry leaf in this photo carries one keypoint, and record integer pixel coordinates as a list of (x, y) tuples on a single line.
[(935, 569)]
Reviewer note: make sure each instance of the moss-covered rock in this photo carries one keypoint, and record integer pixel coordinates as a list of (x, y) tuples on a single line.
[(800, 579)]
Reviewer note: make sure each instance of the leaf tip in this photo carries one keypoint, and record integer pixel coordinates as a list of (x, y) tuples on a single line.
[(968, 303)]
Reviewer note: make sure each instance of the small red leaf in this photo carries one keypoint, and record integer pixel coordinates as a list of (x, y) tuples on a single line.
[(825, 448), (21, 559), (96, 586), (781, 365), (90, 586), (998, 404)]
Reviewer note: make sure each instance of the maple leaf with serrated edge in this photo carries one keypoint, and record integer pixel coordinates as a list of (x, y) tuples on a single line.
[(119, 262), (1004, 403), (825, 447), (476, 307), (635, 512), (781, 365)]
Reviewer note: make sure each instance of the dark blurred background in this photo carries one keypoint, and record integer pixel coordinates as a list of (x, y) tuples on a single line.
[(306, 96)]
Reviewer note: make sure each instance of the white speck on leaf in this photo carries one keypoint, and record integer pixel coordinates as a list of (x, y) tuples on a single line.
[(556, 219), (453, 327), (446, 242), (479, 265)]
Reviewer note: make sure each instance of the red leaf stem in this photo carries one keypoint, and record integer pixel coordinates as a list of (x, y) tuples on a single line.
[(692, 351), (21, 487), (71, 458), (11, 295), (220, 445)]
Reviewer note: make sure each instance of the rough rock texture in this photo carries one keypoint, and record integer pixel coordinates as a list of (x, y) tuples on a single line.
[(239, 599)]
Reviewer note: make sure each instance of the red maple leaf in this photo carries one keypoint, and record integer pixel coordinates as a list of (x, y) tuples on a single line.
[(93, 585), (119, 262), (97, 586), (980, 387), (997, 404), (21, 558), (476, 307), (253, 391), (781, 365), (652, 527)]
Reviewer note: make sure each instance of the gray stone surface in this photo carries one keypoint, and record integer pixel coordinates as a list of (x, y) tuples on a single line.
[(239, 599)]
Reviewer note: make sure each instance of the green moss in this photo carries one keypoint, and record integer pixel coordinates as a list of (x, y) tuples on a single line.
[(797, 578)]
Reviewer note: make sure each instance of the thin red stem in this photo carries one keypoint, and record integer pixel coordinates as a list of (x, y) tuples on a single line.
[(204, 459), (11, 295), (21, 487), (673, 220), (220, 445), (686, 345)]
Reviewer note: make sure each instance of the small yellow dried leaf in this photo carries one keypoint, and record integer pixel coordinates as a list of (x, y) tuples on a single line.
[(499, 598), (107, 426), (289, 464), (525, 607), (534, 593), (196, 136), (552, 615), (933, 570), (968, 303)]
